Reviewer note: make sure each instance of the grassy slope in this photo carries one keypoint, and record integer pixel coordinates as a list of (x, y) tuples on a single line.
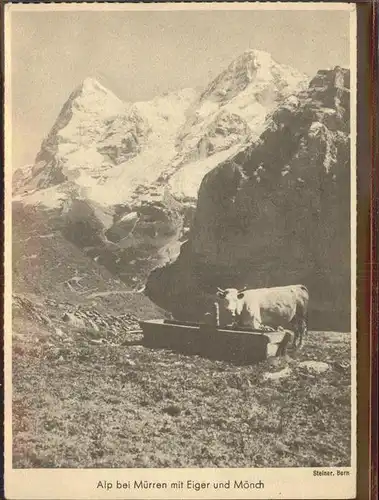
[(43, 260), (82, 405)]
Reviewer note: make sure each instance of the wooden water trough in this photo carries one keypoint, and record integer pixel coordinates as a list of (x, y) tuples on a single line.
[(240, 345)]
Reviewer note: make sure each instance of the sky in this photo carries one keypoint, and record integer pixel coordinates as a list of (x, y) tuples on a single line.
[(139, 55)]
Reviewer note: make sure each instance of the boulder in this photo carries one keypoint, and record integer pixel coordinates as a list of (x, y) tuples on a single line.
[(73, 320), (276, 213), (315, 366)]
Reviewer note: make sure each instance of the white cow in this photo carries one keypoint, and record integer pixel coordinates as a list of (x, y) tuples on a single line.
[(278, 307)]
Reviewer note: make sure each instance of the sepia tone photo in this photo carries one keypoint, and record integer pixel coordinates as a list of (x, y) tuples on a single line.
[(180, 250)]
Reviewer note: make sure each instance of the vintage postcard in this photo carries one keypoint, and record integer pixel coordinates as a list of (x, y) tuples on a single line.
[(180, 303)]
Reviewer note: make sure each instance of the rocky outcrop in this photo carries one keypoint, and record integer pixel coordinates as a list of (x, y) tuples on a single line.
[(224, 131), (276, 213), (124, 137), (70, 323)]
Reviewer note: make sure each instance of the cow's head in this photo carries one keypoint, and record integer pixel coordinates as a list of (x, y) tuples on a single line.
[(231, 299)]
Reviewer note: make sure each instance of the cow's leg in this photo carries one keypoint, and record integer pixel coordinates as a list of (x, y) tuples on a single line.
[(302, 314), (303, 330), (255, 323), (237, 321), (300, 325), (295, 327), (287, 341), (299, 335), (256, 320), (300, 330)]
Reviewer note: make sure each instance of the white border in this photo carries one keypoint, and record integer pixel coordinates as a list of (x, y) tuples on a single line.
[(284, 483)]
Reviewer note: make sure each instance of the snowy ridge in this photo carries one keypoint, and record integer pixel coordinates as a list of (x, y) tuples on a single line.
[(108, 151)]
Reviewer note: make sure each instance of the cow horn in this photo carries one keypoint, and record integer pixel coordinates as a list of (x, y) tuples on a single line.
[(242, 289), (220, 290)]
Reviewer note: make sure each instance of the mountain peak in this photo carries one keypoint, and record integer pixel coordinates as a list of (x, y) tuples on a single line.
[(90, 98), (250, 53), (91, 90), (258, 58), (91, 85), (249, 62), (252, 68), (246, 91)]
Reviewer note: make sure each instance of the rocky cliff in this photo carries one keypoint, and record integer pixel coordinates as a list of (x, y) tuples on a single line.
[(276, 213)]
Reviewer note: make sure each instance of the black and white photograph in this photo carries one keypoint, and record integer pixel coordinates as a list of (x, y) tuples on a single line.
[(180, 250)]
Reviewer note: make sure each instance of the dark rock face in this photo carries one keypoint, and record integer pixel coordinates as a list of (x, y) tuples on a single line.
[(118, 147), (278, 213), (226, 130), (129, 243)]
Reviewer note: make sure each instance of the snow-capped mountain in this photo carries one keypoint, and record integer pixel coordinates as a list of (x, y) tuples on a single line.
[(100, 148), (130, 172), (236, 102)]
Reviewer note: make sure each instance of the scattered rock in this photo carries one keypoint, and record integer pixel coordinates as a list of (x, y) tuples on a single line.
[(172, 410), (341, 367), (276, 362), (59, 332), (72, 320), (97, 341), (130, 362), (316, 366), (286, 372)]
